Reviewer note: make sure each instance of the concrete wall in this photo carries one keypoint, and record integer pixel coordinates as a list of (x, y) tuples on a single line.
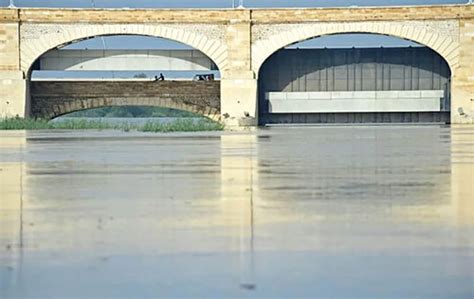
[(238, 41), (51, 99), (125, 60), (355, 101)]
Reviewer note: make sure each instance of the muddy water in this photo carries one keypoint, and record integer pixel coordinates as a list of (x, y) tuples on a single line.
[(317, 212)]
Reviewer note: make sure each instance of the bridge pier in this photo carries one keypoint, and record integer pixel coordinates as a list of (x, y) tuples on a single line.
[(462, 105), (239, 100), (462, 91), (12, 94), (239, 83)]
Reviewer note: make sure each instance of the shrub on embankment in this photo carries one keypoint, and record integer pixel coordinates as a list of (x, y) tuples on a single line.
[(180, 125)]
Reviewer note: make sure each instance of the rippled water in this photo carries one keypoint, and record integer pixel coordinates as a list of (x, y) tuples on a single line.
[(316, 212)]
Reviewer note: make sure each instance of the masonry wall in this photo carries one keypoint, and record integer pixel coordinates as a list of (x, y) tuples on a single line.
[(345, 14), (51, 99), (12, 85), (463, 79)]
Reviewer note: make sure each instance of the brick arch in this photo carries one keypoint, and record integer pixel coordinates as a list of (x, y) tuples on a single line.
[(91, 103), (441, 43), (44, 37)]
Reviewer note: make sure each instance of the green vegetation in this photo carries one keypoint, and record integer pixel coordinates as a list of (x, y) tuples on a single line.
[(180, 125), (132, 111), (23, 124)]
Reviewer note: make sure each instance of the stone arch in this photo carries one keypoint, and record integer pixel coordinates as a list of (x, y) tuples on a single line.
[(442, 37), (37, 39), (79, 104)]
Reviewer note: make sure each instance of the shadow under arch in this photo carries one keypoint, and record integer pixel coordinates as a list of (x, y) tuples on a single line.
[(445, 46), (357, 56)]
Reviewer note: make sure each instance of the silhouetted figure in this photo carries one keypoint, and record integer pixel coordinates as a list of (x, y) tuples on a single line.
[(161, 77)]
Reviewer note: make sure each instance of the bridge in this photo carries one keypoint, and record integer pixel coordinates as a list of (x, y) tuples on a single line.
[(238, 41), (50, 99)]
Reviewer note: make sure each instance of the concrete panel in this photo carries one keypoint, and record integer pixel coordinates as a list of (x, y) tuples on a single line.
[(340, 95), (335, 106), (381, 101), (409, 94), (319, 95), (365, 95), (432, 93), (297, 96), (276, 95)]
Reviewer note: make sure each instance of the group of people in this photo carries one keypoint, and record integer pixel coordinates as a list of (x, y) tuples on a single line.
[(160, 78)]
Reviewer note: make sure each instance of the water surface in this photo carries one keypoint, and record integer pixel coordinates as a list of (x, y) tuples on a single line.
[(315, 212)]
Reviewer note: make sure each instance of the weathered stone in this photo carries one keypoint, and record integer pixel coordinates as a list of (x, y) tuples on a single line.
[(51, 99)]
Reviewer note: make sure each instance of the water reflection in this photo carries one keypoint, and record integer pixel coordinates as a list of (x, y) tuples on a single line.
[(239, 180), (309, 212)]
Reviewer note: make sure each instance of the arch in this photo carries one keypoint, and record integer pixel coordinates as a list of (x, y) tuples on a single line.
[(91, 103), (44, 37), (441, 43)]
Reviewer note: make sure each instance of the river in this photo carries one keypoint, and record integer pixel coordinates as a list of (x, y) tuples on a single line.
[(281, 212)]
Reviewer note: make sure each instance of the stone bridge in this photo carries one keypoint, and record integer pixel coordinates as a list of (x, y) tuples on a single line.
[(237, 40), (54, 98)]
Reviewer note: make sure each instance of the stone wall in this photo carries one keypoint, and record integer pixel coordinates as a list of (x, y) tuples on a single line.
[(54, 98), (127, 16), (463, 77), (361, 14), (12, 85)]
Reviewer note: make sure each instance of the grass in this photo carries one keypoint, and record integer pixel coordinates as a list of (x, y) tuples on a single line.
[(184, 125), (24, 124)]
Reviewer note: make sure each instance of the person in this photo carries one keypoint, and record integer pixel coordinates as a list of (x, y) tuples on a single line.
[(161, 78)]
